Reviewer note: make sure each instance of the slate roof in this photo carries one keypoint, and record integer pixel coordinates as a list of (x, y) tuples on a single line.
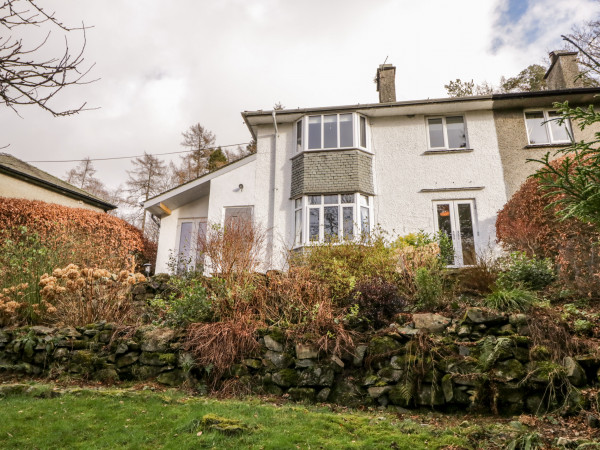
[(16, 168)]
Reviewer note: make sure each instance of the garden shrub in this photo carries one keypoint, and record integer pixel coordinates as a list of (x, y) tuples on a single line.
[(528, 223), (186, 301), (340, 266), (520, 270), (76, 297), (429, 288), (378, 301)]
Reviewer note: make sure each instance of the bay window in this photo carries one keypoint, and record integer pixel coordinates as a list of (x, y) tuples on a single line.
[(331, 131), (331, 217)]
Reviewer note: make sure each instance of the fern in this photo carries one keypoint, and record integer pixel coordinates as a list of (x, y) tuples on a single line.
[(491, 351)]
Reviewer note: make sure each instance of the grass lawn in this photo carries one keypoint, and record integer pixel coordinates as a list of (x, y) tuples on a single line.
[(145, 419)]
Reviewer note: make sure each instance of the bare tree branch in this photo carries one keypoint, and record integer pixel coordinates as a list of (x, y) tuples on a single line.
[(26, 77)]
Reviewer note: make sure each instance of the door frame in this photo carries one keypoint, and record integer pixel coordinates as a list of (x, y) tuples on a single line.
[(455, 226)]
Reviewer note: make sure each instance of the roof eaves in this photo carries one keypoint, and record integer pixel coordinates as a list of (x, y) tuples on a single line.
[(56, 188), (208, 175)]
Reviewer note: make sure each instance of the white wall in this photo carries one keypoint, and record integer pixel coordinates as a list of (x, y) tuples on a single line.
[(273, 189), (224, 191), (167, 239), (402, 170)]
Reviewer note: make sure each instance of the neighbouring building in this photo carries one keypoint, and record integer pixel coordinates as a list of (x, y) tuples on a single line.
[(19, 179), (336, 172)]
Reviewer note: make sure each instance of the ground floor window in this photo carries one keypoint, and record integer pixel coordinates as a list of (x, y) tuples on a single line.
[(331, 217), (456, 218), (189, 251)]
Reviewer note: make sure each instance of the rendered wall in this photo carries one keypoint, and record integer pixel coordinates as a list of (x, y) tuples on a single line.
[(224, 191), (403, 169), (514, 148), (14, 188)]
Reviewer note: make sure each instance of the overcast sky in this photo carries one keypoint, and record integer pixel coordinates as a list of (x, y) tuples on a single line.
[(165, 65)]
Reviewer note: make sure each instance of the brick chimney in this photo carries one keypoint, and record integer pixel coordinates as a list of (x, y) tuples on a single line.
[(563, 71), (386, 83)]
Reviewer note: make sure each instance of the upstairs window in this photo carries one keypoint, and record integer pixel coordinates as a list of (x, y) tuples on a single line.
[(447, 133), (543, 128), (331, 131)]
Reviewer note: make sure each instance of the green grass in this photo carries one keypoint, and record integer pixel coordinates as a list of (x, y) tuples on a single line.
[(144, 419)]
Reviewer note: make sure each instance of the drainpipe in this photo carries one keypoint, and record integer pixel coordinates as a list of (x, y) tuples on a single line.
[(273, 192)]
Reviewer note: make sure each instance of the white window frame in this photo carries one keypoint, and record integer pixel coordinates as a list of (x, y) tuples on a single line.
[(196, 221), (546, 122), (356, 133), (445, 132), (359, 200)]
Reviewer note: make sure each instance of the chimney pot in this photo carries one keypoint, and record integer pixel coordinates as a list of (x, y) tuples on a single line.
[(386, 83), (564, 71)]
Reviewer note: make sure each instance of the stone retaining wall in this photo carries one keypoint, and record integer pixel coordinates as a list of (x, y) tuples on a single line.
[(482, 362)]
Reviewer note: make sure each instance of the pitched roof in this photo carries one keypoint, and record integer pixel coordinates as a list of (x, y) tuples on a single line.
[(20, 169)]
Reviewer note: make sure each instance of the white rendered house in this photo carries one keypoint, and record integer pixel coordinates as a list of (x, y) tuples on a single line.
[(337, 172)]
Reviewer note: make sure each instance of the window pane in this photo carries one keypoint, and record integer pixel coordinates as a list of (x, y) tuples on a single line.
[(314, 199), (467, 238), (436, 133), (331, 199), (536, 130), (560, 133), (298, 203), (314, 132), (331, 222), (348, 218), (299, 135), (298, 222), (313, 224), (185, 246), (363, 132), (346, 130), (185, 239), (347, 198), (364, 200), (364, 220), (457, 138), (444, 222), (201, 240), (330, 131)]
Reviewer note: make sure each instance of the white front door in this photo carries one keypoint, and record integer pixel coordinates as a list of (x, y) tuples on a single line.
[(456, 218)]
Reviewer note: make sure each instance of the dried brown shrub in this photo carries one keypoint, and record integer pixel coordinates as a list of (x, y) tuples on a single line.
[(96, 239), (548, 329), (219, 345), (529, 224), (301, 302), (77, 297)]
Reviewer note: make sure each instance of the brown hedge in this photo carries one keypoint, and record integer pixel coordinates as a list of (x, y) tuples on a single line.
[(97, 238), (527, 223)]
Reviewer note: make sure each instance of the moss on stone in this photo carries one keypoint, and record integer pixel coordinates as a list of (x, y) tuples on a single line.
[(383, 345)]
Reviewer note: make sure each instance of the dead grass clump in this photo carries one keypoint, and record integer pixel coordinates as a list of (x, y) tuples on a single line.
[(547, 329), (479, 279), (217, 346)]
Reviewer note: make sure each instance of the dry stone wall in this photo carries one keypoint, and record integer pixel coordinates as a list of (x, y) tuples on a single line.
[(482, 362)]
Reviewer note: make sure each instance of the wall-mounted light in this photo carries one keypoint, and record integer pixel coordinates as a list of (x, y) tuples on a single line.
[(241, 186)]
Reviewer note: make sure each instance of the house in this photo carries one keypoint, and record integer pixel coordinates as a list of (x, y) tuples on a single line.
[(19, 179), (336, 172)]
